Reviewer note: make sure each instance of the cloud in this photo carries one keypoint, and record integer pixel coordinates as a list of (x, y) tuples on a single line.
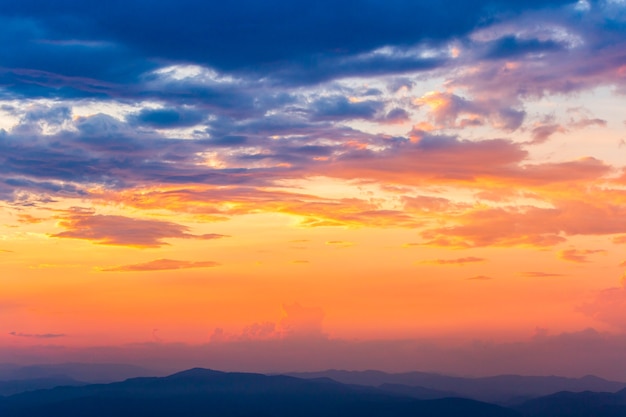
[(124, 231), (161, 265), (167, 118), (608, 305), (534, 226), (449, 110), (578, 255), (511, 46), (396, 115), (539, 274), (340, 108), (339, 243), (619, 240), (480, 278), (573, 354), (456, 261), (297, 323), (301, 322), (38, 335), (543, 132), (28, 219)]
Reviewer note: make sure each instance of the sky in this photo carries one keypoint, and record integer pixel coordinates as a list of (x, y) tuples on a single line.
[(285, 186)]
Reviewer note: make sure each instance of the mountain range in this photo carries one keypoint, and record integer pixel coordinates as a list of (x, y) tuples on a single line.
[(203, 392), (502, 389)]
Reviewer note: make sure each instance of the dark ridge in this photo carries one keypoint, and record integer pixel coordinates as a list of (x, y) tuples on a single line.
[(203, 392)]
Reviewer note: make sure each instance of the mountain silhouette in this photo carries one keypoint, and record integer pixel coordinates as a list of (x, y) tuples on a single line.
[(502, 389), (576, 404), (84, 372), (22, 385), (203, 392)]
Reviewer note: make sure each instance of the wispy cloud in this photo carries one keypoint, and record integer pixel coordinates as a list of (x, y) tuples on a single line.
[(579, 255), (480, 278), (455, 261), (124, 231), (539, 274), (38, 335), (161, 265)]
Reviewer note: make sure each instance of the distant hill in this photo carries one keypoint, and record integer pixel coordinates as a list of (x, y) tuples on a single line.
[(202, 392), (23, 385), (504, 389), (85, 372), (577, 404)]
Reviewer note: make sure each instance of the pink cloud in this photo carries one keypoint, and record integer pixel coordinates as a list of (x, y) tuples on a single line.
[(123, 231), (480, 278), (608, 305), (577, 255)]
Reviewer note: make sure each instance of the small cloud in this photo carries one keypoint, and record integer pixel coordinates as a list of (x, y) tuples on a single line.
[(581, 118), (623, 264), (619, 240), (300, 262), (543, 132), (28, 219), (123, 231), (608, 305), (480, 278), (38, 335), (259, 331), (457, 261), (396, 116), (339, 243), (167, 118), (301, 322), (538, 274), (161, 265), (579, 256)]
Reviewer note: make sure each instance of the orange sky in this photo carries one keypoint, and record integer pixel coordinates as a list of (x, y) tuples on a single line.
[(463, 192)]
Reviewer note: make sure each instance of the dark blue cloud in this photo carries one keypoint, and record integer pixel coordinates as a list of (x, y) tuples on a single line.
[(396, 115), (168, 118), (302, 42), (510, 46), (226, 141), (340, 108)]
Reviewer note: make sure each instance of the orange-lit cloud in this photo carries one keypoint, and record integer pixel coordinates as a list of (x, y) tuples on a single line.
[(533, 226), (28, 219), (456, 261), (301, 322), (124, 231), (578, 255), (161, 265), (297, 323), (38, 335), (480, 278), (608, 305), (339, 243), (539, 274), (619, 240)]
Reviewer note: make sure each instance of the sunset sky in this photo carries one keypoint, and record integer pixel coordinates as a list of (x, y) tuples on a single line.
[(291, 185)]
